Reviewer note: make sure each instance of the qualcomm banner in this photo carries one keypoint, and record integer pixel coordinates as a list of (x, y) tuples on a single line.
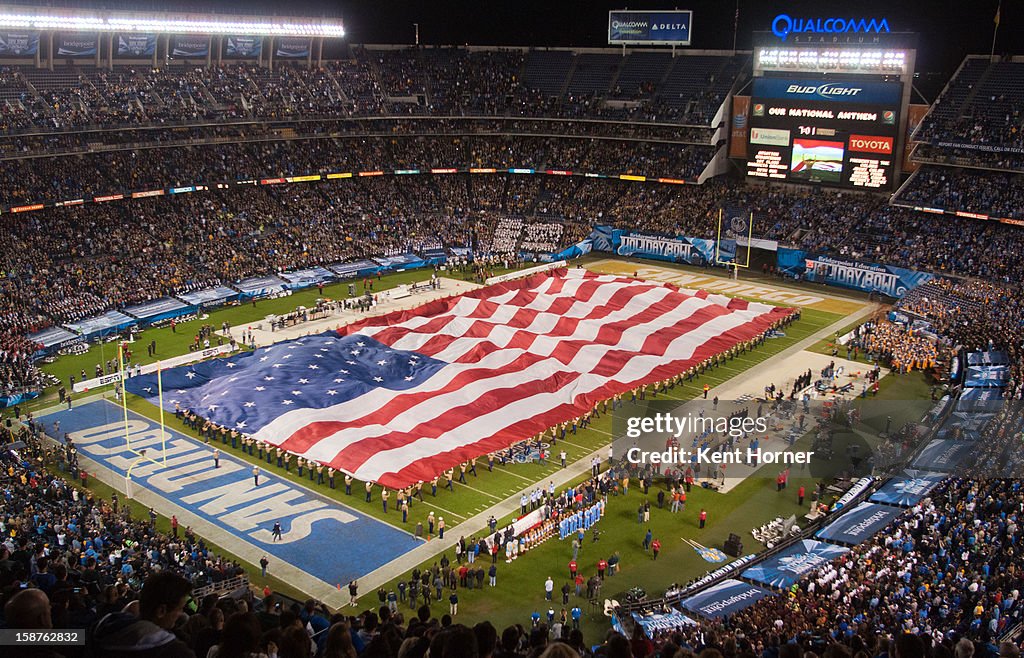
[(136, 45), (794, 563), (243, 46), (859, 524), (649, 27), (291, 47), (190, 46), (19, 44), (692, 251), (868, 277), (908, 489), (726, 598), (76, 45)]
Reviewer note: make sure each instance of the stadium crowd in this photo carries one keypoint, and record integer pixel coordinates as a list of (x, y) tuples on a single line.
[(974, 316), (943, 578), (946, 569), (71, 263), (998, 194), (370, 82), (903, 348)]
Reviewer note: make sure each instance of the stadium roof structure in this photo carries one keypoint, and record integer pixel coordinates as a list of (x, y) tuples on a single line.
[(88, 20)]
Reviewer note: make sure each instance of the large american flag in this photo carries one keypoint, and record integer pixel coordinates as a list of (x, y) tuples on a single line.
[(402, 397)]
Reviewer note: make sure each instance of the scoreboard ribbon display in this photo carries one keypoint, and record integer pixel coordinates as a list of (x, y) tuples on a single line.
[(839, 133)]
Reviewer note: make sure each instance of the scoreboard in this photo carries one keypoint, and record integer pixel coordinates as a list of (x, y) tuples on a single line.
[(827, 132)]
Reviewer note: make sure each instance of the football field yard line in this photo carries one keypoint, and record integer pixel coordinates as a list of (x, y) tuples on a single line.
[(576, 445), (445, 510), (486, 493), (521, 477)]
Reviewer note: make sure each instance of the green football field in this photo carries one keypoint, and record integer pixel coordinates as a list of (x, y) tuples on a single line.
[(520, 585)]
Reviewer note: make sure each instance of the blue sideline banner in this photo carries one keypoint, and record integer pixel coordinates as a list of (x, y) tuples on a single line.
[(209, 296), (353, 269), (908, 489), (159, 309), (19, 44), (260, 286), (136, 45), (661, 621), (980, 400), (291, 47), (943, 455), (399, 262), (306, 278), (247, 47), (55, 338), (859, 524), (650, 27), (987, 376), (868, 277), (794, 563), (994, 358), (76, 45), (726, 598), (434, 256), (110, 322)]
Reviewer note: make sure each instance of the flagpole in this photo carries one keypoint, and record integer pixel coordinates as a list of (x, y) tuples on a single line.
[(736, 26), (995, 30)]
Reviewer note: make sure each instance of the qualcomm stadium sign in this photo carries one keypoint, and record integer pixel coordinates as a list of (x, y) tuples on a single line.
[(784, 25)]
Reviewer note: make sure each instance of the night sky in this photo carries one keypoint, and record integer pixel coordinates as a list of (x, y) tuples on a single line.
[(948, 29)]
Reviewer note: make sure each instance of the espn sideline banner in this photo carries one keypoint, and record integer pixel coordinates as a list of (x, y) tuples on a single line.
[(149, 368)]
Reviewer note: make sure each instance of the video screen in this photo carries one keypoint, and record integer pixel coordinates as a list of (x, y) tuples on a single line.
[(836, 133)]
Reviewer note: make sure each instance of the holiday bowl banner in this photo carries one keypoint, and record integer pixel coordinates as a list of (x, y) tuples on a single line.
[(794, 563), (19, 43), (676, 249), (869, 277), (402, 397)]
